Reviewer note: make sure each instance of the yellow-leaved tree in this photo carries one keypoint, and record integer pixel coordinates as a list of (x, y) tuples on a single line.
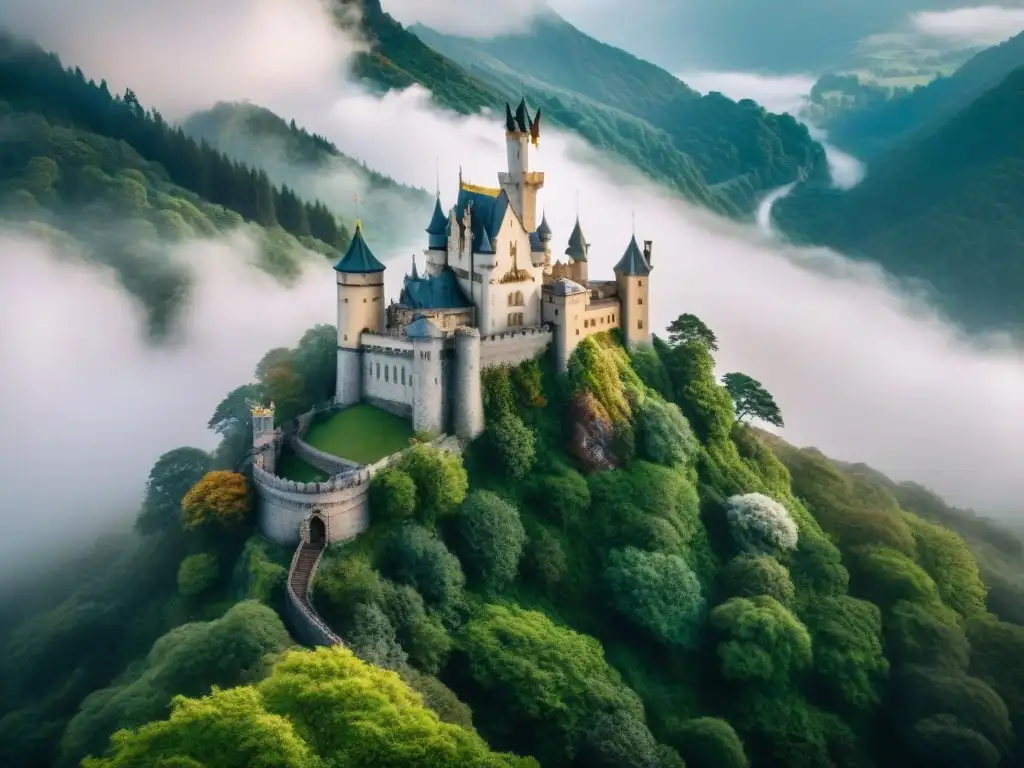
[(220, 498)]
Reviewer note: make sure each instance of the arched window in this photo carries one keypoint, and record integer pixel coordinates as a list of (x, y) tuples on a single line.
[(386, 373), (640, 300), (394, 373), (511, 299), (403, 375), (378, 370), (519, 297)]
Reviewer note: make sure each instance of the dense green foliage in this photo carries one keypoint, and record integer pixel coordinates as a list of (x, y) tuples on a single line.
[(717, 152), (941, 207)]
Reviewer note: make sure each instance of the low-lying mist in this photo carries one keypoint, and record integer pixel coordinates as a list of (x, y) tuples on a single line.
[(88, 404), (861, 367)]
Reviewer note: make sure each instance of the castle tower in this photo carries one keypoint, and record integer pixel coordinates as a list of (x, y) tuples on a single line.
[(360, 308), (519, 182), (577, 253), (427, 376), (544, 234), (564, 307), (436, 252), (264, 447), (468, 403), (631, 276)]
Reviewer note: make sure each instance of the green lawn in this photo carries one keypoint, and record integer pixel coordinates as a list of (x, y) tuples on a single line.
[(291, 467), (361, 433)]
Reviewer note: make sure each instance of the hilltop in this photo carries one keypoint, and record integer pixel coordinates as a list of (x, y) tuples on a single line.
[(618, 573), (942, 208)]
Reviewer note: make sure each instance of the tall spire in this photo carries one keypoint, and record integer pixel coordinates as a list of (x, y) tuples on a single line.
[(437, 175), (415, 274), (359, 222)]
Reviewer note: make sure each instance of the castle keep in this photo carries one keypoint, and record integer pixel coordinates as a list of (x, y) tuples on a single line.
[(488, 294)]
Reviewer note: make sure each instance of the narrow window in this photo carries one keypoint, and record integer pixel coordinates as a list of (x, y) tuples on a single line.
[(403, 375), (386, 373), (394, 373), (346, 301), (378, 370), (346, 337), (364, 301), (640, 301), (640, 324), (640, 283), (556, 313)]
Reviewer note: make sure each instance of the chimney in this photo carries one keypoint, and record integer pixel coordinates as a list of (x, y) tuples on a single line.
[(647, 251)]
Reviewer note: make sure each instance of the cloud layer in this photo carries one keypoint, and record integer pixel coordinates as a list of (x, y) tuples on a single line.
[(87, 406), (861, 370), (980, 25), (483, 18)]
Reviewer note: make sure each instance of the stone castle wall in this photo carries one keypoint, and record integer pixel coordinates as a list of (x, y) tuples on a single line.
[(325, 462), (303, 620), (342, 501), (467, 397), (428, 386), (514, 347), (387, 370)]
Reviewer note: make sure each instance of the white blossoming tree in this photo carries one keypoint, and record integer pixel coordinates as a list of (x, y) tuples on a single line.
[(760, 525)]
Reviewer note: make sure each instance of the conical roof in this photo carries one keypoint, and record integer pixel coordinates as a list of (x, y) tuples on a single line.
[(578, 245), (438, 228), (358, 258), (633, 263), (544, 230)]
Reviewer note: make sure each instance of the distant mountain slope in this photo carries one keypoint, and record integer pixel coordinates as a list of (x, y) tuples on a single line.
[(867, 132), (947, 208), (312, 166), (740, 150)]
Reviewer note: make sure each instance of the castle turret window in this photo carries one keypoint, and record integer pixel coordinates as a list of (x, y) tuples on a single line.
[(403, 375), (386, 373), (640, 324), (640, 301), (378, 370)]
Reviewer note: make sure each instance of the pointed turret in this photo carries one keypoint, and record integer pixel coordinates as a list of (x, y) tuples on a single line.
[(414, 275), (358, 259), (437, 230), (633, 263), (544, 230), (578, 245)]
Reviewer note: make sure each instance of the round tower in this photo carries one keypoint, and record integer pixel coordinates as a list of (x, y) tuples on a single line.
[(427, 376), (360, 278), (632, 275), (469, 404)]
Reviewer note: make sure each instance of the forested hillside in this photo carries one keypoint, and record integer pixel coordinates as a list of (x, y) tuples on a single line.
[(102, 173), (617, 573), (878, 125), (312, 166), (945, 209), (739, 150)]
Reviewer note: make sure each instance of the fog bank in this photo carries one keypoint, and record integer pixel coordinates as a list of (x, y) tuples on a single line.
[(88, 406)]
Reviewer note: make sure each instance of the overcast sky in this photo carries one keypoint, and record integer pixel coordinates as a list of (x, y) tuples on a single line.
[(860, 370)]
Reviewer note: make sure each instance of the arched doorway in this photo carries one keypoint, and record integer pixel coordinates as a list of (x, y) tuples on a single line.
[(317, 530)]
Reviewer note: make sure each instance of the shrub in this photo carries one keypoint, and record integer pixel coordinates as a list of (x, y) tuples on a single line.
[(489, 538), (372, 638), (562, 498), (342, 585), (618, 739), (421, 635), (848, 659), (752, 575), (663, 433), (658, 592), (414, 556), (708, 742), (760, 640), (925, 633), (511, 444), (760, 524), (544, 558), (392, 495), (196, 574), (440, 479), (946, 558), (884, 576)]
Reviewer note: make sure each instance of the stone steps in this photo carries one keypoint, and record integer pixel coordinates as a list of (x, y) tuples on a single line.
[(303, 569)]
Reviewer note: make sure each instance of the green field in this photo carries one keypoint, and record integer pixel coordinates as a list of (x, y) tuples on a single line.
[(291, 467), (361, 433)]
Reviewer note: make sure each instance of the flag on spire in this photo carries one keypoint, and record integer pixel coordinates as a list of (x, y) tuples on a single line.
[(535, 130)]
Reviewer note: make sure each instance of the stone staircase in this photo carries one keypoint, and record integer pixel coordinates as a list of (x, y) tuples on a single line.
[(302, 573)]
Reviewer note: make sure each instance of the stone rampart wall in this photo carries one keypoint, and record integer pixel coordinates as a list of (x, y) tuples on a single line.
[(514, 347), (325, 462)]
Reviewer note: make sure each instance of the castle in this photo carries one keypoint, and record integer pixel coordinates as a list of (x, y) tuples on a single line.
[(489, 294)]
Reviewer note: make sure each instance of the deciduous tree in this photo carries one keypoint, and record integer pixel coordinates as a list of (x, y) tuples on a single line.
[(219, 498), (751, 399)]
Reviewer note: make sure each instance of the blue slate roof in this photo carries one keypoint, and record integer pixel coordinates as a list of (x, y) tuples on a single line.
[(544, 230), (633, 263), (578, 245), (486, 214), (358, 258), (438, 228), (423, 328), (536, 245), (440, 292)]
